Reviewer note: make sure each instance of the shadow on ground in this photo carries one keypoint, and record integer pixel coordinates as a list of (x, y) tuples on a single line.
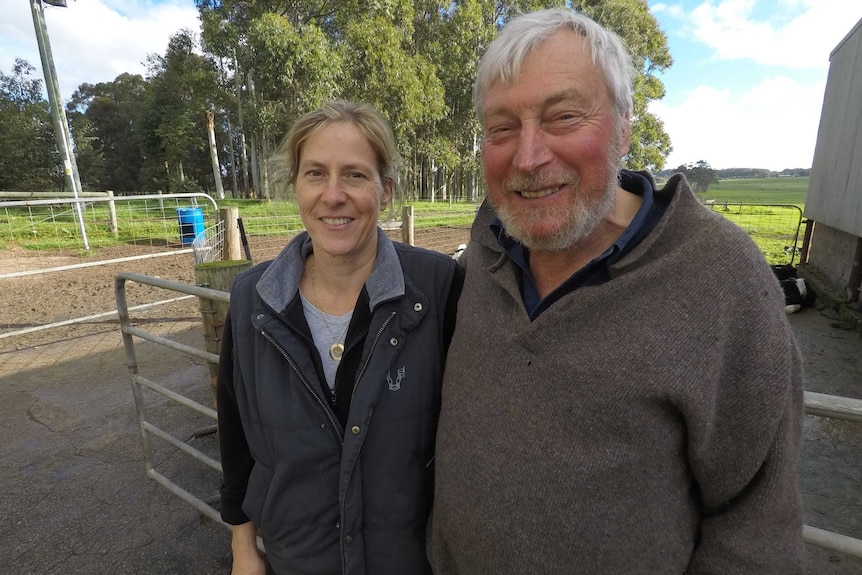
[(75, 498)]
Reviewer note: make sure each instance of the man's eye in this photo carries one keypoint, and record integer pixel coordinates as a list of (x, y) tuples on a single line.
[(568, 117)]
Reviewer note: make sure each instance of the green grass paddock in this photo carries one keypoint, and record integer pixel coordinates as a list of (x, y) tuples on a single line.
[(43, 228)]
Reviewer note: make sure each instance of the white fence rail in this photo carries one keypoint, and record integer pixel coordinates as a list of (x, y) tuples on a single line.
[(36, 232)]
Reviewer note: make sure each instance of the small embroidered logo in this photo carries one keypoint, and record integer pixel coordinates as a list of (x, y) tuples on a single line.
[(396, 385)]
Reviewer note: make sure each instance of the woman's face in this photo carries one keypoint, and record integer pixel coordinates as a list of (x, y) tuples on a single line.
[(340, 191)]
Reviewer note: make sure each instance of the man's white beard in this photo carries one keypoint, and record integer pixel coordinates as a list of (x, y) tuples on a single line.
[(579, 218)]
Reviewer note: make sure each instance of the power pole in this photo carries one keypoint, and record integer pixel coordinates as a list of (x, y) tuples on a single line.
[(58, 113)]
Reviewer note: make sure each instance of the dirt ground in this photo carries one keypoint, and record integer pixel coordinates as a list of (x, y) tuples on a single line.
[(65, 510), (34, 300)]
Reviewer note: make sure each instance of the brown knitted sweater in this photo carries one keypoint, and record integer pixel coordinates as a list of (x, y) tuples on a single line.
[(648, 425)]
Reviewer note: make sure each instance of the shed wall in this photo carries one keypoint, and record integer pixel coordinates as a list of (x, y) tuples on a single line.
[(831, 253), (835, 190)]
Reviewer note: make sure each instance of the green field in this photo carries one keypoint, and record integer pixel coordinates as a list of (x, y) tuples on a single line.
[(760, 191), (46, 227), (764, 208)]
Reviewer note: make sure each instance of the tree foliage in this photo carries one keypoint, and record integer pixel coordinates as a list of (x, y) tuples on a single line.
[(29, 159), (700, 175), (105, 120), (182, 86), (259, 64)]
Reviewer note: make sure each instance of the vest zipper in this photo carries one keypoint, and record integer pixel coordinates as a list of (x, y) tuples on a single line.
[(370, 353), (304, 382), (353, 393)]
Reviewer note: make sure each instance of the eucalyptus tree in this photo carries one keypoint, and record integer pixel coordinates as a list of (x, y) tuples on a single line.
[(29, 159), (387, 67), (282, 63), (294, 69), (454, 35), (293, 55), (182, 87), (105, 123), (700, 174), (413, 59)]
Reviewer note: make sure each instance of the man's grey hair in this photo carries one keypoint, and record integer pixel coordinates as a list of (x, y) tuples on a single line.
[(525, 33)]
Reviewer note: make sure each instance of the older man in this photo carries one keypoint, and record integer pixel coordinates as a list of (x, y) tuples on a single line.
[(623, 393)]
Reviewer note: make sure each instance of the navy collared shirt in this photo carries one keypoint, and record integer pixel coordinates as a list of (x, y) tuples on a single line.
[(598, 270)]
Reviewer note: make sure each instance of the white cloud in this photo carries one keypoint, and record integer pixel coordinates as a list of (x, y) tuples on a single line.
[(799, 33), (92, 41), (773, 125), (674, 10)]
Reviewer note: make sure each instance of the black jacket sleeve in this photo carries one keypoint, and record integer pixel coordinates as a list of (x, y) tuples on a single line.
[(236, 458)]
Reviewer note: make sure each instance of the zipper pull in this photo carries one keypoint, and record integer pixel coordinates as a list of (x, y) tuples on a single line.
[(332, 397)]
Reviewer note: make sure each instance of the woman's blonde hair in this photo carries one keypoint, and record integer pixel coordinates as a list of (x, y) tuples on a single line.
[(367, 119)]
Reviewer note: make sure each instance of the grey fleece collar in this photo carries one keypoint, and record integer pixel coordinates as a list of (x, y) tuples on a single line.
[(279, 283)]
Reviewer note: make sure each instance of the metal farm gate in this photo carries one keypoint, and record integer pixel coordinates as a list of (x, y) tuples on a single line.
[(817, 404)]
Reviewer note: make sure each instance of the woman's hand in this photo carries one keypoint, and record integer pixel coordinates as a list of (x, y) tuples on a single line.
[(246, 558)]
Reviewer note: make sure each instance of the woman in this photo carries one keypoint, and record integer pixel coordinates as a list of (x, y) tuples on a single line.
[(329, 380)]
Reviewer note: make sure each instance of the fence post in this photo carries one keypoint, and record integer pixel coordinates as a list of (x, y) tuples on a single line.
[(806, 241), (112, 210), (407, 231), (232, 245), (218, 276)]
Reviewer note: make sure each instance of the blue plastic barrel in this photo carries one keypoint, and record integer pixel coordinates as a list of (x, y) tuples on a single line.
[(191, 224)]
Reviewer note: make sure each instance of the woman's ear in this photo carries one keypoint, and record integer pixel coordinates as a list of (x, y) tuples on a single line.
[(386, 196)]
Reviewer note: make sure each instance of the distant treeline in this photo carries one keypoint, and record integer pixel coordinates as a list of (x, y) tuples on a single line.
[(735, 173)]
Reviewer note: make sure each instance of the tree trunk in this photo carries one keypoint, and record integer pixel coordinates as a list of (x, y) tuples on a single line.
[(264, 169), (255, 147), (214, 156), (255, 171), (243, 152), (232, 148)]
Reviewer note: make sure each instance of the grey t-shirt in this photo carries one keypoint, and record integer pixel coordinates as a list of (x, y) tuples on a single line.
[(326, 330)]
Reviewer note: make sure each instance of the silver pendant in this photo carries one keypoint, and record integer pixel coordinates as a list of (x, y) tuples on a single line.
[(336, 351)]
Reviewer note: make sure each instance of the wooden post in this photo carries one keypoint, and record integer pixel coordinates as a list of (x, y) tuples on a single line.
[(231, 246), (112, 210), (218, 276), (407, 233)]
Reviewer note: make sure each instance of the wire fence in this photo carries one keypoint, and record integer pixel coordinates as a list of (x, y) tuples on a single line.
[(165, 236), (267, 235), (42, 234), (774, 227)]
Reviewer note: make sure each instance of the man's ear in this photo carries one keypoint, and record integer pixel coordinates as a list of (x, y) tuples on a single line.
[(625, 136)]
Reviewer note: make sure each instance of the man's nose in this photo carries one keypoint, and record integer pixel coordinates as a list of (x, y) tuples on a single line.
[(532, 151)]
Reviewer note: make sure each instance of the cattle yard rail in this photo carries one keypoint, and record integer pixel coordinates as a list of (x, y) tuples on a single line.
[(817, 404)]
